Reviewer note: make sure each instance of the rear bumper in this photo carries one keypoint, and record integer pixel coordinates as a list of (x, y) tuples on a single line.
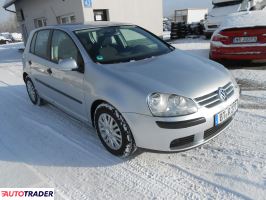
[(232, 52)]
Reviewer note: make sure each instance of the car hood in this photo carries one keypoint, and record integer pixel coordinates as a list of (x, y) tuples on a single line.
[(176, 73)]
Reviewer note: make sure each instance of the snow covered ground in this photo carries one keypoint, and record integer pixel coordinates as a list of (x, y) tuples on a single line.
[(43, 147)]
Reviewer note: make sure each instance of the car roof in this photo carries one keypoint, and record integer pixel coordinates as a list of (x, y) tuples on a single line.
[(74, 27)]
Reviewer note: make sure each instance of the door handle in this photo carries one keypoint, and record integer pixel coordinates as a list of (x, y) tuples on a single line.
[(49, 71), (30, 63)]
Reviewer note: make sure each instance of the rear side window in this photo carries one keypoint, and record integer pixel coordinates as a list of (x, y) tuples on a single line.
[(41, 44)]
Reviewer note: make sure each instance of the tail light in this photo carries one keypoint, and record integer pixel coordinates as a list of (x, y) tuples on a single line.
[(221, 38), (263, 39)]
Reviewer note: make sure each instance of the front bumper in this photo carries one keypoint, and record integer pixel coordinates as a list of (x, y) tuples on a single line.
[(241, 52), (150, 135)]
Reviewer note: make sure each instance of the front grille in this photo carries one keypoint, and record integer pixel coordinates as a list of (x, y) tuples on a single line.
[(216, 129), (213, 99), (182, 141)]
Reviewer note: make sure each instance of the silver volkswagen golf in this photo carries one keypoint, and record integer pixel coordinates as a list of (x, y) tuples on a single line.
[(133, 88)]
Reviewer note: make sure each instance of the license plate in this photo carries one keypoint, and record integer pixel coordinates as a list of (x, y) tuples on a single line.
[(239, 40), (226, 114)]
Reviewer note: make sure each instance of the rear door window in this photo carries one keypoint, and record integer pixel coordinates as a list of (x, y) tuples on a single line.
[(41, 44)]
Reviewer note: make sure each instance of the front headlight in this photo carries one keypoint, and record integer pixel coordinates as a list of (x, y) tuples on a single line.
[(170, 105)]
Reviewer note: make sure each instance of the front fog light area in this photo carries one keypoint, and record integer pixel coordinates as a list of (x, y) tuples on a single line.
[(170, 105)]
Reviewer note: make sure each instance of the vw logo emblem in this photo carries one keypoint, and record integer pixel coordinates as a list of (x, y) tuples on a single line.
[(245, 33), (222, 94)]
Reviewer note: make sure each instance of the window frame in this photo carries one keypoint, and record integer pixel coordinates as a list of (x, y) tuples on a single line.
[(59, 19), (103, 12), (43, 21)]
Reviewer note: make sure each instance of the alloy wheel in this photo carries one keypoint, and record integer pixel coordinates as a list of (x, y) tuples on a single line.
[(110, 131)]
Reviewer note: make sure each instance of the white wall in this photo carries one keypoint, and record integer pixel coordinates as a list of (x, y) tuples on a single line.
[(145, 13), (196, 15)]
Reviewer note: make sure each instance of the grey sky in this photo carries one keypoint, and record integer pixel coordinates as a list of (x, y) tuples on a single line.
[(169, 6)]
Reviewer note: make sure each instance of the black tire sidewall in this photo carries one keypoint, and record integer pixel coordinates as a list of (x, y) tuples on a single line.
[(35, 102), (127, 147)]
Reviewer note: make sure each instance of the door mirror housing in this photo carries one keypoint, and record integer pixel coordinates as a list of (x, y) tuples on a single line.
[(68, 64)]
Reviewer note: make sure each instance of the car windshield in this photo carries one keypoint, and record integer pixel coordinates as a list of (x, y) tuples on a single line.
[(226, 3), (121, 44), (244, 6)]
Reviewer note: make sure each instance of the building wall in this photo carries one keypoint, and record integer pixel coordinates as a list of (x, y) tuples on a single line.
[(145, 13), (195, 15), (50, 9)]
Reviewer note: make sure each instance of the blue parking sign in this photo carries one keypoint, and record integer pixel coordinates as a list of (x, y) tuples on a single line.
[(87, 3)]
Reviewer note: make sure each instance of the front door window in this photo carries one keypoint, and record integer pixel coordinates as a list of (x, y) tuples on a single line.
[(63, 47)]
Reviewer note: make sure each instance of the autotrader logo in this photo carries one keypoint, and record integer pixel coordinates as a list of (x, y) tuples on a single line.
[(27, 193)]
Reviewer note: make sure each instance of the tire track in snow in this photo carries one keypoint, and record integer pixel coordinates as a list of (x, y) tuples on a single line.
[(45, 179), (186, 184), (222, 192)]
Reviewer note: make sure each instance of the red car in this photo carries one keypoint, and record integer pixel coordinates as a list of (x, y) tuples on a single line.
[(241, 37)]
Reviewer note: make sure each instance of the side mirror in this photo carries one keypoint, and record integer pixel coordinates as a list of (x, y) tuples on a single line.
[(68, 64)]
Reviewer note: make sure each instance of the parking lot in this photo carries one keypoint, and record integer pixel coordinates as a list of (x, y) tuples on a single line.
[(39, 146)]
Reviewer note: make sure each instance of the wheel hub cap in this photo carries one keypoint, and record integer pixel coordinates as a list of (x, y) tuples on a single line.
[(110, 131)]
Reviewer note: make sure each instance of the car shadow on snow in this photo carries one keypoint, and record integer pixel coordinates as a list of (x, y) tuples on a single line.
[(45, 135)]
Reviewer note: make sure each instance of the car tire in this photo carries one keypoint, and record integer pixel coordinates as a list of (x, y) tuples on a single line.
[(32, 92), (113, 131), (208, 36)]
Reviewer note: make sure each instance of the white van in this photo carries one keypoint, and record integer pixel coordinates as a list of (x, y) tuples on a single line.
[(222, 8)]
